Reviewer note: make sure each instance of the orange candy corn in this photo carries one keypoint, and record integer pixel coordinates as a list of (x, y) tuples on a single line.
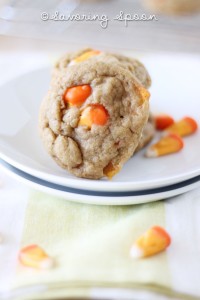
[(77, 95), (110, 170), (163, 121), (35, 257), (155, 240), (85, 56), (184, 127), (143, 93), (94, 114), (166, 145)]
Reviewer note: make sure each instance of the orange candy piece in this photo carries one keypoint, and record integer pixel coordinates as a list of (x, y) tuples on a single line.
[(35, 257), (166, 145), (94, 114), (185, 126), (99, 114), (76, 96), (143, 93), (163, 121), (85, 56), (110, 170), (155, 240)]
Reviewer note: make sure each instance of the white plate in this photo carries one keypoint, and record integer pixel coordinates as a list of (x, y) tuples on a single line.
[(175, 91), (108, 198)]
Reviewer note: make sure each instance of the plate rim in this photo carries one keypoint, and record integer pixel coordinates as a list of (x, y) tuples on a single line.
[(108, 186), (100, 194), (95, 200)]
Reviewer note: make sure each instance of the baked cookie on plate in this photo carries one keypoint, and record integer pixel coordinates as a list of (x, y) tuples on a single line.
[(92, 118)]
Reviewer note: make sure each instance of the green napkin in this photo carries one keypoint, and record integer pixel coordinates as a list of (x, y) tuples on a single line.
[(90, 246)]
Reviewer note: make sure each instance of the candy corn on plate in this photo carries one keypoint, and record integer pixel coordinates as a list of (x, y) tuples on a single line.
[(172, 157)]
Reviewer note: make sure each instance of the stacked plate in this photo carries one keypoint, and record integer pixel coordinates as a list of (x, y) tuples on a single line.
[(175, 91)]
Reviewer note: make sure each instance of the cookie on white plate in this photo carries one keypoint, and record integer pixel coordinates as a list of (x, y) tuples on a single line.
[(92, 118)]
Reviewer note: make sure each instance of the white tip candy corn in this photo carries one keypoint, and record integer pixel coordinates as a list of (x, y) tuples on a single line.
[(166, 145), (153, 241), (35, 257), (184, 127)]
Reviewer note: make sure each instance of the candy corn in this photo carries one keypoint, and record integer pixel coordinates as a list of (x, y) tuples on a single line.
[(166, 145), (94, 114), (155, 240), (35, 257), (163, 121), (85, 56), (143, 93), (111, 170), (184, 127), (77, 95)]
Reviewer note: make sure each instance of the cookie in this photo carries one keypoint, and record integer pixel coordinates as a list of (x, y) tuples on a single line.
[(133, 65), (148, 133), (92, 118)]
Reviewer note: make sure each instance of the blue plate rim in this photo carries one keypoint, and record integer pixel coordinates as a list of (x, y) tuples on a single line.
[(67, 189)]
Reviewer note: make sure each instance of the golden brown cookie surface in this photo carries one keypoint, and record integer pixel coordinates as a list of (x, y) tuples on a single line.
[(131, 64), (148, 133), (92, 118)]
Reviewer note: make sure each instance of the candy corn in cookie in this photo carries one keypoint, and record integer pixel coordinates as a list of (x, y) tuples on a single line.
[(92, 118), (133, 65)]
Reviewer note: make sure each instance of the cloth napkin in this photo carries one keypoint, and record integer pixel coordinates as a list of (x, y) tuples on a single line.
[(90, 246)]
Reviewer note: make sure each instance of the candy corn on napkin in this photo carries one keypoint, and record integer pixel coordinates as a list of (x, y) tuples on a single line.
[(90, 246)]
